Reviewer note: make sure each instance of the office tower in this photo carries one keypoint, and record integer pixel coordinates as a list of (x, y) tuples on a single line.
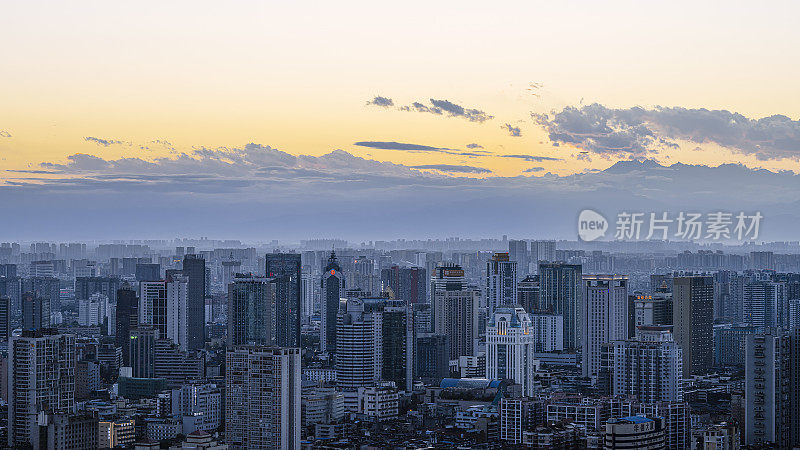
[(45, 287), (5, 318), (518, 252), (407, 283), (333, 286), (655, 309), (765, 304), (11, 287), (127, 312), (528, 293), (431, 358), (35, 312), (548, 332), (86, 286), (509, 347), (177, 316), (194, 267), (634, 432), (148, 272), (649, 366), (768, 389), (142, 351), (692, 318), (284, 270), (455, 310), (604, 317), (561, 292), (251, 311), (358, 344), (262, 398), (543, 251), (41, 380), (308, 298), (397, 344), (153, 305), (423, 318), (501, 282)]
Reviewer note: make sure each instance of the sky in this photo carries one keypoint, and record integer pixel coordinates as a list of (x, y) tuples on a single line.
[(98, 97)]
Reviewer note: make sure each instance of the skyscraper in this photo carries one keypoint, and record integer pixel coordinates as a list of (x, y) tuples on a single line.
[(561, 292), (142, 350), (285, 271), (604, 317), (5, 318), (359, 344), (765, 304), (510, 347), (194, 267), (408, 283), (501, 282), (262, 398), (35, 311), (649, 366), (153, 305), (528, 293), (693, 320), (518, 252), (397, 344), (41, 379), (251, 311), (455, 310), (177, 328), (768, 389), (127, 312), (333, 286)]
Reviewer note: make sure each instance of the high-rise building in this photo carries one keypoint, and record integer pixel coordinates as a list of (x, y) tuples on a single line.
[(768, 389), (455, 310), (510, 347), (528, 293), (397, 344), (148, 272), (543, 251), (48, 288), (431, 358), (548, 332), (407, 283), (153, 305), (518, 252), (194, 267), (262, 398), (604, 317), (655, 309), (308, 297), (649, 366), (561, 292), (35, 311), (285, 271), (693, 321), (5, 318), (41, 380), (765, 304), (142, 349), (501, 282), (177, 315), (86, 286), (127, 312), (251, 311), (359, 344), (333, 286)]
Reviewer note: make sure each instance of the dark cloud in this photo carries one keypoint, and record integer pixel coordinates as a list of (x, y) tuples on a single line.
[(534, 169), (383, 102), (453, 168), (398, 146), (5, 134), (444, 107), (641, 132), (473, 145), (532, 158), (512, 131), (104, 142)]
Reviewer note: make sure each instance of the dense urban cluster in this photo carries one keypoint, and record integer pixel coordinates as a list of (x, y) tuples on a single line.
[(457, 343)]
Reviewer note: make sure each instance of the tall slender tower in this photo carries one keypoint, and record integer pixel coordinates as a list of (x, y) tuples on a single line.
[(251, 311), (604, 317), (285, 271), (693, 320), (561, 292), (194, 267), (501, 282), (127, 312), (509, 347), (333, 286)]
